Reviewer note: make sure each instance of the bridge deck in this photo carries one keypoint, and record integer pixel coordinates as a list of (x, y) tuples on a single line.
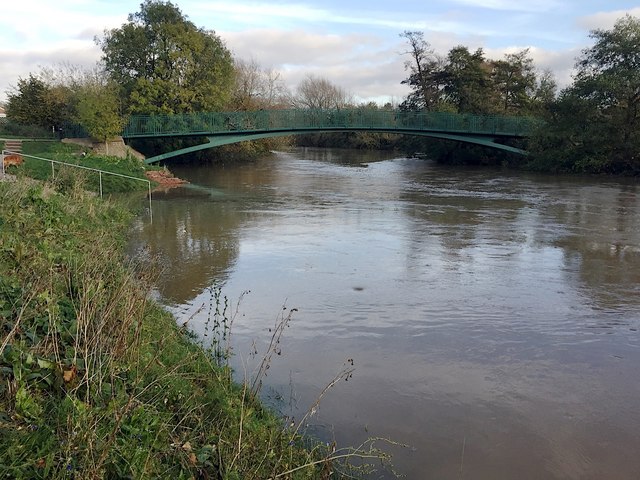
[(264, 121)]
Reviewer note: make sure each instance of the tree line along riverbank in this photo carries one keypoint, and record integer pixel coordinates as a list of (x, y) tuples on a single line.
[(97, 380), (160, 62)]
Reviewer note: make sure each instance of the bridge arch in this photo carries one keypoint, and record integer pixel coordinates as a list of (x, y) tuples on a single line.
[(217, 141), (223, 128)]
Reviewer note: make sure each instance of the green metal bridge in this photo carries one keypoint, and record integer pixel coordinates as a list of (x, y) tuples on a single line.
[(222, 128)]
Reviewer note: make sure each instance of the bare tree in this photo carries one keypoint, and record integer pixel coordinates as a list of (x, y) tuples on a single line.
[(256, 87), (71, 76), (319, 93), (274, 91)]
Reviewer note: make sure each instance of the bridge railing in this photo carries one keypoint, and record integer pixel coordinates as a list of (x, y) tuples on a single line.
[(222, 123)]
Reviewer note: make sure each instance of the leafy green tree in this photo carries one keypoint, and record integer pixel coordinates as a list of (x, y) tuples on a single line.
[(468, 81), (569, 140), (609, 76), (595, 124), (98, 111), (165, 64), (34, 102), (545, 93), (514, 80)]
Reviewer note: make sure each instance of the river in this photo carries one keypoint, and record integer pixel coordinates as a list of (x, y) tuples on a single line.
[(491, 317)]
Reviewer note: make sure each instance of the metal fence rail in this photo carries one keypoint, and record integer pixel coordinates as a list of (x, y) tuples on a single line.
[(82, 167)]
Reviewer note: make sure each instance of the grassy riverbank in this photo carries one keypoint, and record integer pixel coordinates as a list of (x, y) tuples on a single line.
[(97, 381), (35, 165)]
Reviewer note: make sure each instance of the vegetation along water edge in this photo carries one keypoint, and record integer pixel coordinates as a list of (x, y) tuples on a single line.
[(98, 381)]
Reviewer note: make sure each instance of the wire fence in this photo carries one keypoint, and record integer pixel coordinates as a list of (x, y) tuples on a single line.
[(82, 167)]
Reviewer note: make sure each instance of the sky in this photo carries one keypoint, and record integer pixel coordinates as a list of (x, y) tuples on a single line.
[(354, 44)]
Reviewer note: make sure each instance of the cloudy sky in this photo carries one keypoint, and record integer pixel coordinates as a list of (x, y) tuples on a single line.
[(355, 44)]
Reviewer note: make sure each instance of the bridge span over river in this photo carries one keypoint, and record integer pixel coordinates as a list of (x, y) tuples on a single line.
[(222, 128)]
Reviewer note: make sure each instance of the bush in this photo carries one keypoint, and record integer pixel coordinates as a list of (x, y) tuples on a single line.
[(12, 129)]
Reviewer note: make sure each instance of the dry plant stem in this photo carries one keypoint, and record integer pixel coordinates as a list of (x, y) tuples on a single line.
[(343, 374), (240, 427), (259, 466), (330, 458), (112, 435), (49, 341), (227, 348), (149, 455), (464, 443), (16, 326), (282, 322), (186, 322), (125, 410), (186, 415), (104, 322)]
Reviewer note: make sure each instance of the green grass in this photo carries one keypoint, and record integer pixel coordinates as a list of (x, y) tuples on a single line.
[(97, 381), (36, 147), (40, 169)]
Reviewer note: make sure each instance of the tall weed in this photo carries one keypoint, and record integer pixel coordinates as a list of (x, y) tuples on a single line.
[(96, 381)]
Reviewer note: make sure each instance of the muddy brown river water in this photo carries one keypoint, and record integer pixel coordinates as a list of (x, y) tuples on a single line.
[(492, 317)]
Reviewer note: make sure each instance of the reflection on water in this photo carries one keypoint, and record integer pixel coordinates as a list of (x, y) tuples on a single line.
[(492, 317)]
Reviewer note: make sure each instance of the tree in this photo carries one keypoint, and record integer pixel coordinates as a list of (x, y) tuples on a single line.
[(515, 80), (256, 88), (165, 64), (609, 75), (63, 95), (34, 102), (546, 90), (98, 111), (425, 74), (598, 116), (319, 93), (467, 81)]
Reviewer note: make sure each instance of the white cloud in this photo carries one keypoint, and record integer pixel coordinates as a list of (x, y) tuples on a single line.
[(29, 24), (262, 12), (278, 47), (357, 48), (512, 5), (606, 20), (560, 63), (19, 64), (269, 15), (372, 71)]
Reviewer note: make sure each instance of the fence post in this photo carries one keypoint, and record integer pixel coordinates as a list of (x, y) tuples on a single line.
[(150, 210), (100, 172)]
